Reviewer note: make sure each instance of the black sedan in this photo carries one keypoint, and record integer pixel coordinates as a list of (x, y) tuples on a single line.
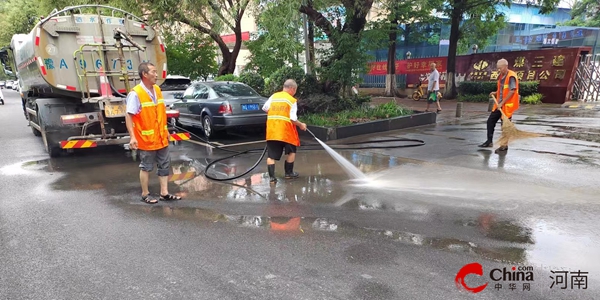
[(219, 105)]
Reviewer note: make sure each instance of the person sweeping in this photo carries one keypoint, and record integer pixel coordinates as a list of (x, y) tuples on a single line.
[(507, 95), (282, 119)]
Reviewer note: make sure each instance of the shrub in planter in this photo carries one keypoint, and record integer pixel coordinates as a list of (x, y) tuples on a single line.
[(317, 102), (533, 99), (276, 80), (254, 80), (227, 77), (526, 88)]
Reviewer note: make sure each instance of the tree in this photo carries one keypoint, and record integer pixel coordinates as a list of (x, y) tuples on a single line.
[(278, 40), (192, 55), (478, 14), (394, 13), (585, 13), (17, 16), (346, 57), (211, 17)]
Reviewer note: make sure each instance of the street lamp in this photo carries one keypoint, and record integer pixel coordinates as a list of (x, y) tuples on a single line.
[(475, 47), (408, 54)]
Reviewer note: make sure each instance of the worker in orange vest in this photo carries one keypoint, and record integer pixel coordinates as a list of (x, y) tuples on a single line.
[(282, 120), (507, 95), (146, 122)]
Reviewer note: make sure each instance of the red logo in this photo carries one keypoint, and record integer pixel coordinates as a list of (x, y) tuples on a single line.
[(472, 268)]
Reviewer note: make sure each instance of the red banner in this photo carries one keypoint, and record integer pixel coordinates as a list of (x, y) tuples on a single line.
[(409, 66), (553, 68)]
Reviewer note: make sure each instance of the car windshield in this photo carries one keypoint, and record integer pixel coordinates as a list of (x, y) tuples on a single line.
[(234, 90)]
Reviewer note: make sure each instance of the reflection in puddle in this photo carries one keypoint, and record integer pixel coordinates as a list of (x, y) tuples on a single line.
[(500, 230)]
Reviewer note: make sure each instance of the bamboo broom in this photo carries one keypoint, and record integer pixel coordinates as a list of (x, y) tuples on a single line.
[(509, 131)]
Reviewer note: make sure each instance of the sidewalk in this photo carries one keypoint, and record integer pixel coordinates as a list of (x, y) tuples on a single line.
[(448, 113)]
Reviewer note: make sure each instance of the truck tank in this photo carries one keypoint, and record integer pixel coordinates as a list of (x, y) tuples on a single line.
[(63, 53), (75, 68)]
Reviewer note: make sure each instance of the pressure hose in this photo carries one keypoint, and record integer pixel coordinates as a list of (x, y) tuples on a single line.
[(415, 143)]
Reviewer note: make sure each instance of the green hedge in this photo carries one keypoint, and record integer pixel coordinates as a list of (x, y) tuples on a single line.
[(526, 88), (227, 77), (254, 80)]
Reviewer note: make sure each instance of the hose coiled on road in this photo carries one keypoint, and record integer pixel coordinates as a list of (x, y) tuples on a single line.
[(415, 143)]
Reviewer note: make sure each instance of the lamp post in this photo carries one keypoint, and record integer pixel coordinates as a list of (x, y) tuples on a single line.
[(408, 54), (475, 47)]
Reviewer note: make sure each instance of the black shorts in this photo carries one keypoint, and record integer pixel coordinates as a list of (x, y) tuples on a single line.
[(275, 149)]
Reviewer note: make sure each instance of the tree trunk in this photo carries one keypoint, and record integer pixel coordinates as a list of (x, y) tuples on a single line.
[(407, 29), (390, 78), (456, 17), (311, 38), (230, 57)]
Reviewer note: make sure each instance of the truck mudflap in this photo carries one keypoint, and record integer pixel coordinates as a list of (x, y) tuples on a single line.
[(90, 142)]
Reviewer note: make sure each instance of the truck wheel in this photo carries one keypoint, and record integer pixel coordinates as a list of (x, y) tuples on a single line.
[(52, 148), (35, 131)]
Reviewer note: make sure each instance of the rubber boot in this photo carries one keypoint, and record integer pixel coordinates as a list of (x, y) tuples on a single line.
[(271, 169), (289, 171)]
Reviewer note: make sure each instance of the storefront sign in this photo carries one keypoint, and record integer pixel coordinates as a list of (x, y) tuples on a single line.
[(553, 68)]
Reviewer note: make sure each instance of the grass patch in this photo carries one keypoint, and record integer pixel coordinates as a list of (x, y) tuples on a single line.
[(533, 99), (356, 116)]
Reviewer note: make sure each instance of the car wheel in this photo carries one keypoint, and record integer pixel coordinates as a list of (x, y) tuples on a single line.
[(207, 126)]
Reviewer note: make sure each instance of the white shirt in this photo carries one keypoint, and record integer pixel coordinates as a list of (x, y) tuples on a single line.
[(293, 111), (434, 76)]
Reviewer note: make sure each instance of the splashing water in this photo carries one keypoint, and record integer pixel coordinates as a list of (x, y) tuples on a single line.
[(352, 171)]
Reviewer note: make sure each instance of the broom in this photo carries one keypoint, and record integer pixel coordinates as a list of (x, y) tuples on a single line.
[(509, 131)]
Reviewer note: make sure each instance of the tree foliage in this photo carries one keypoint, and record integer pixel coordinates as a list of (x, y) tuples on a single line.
[(210, 17), (476, 20), (192, 55), (278, 38), (585, 13), (17, 16)]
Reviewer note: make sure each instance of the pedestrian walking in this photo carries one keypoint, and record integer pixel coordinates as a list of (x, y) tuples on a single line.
[(507, 93), (282, 119), (433, 86), (146, 121)]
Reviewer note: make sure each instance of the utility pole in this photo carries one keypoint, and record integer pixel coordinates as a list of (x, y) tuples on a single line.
[(306, 43)]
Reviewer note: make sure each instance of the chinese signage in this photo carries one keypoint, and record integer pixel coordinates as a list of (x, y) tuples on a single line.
[(553, 68), (578, 33), (410, 66)]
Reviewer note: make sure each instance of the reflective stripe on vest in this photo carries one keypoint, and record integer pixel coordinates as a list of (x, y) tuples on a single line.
[(279, 118)]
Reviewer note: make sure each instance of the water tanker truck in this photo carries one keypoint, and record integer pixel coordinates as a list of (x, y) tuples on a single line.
[(75, 69)]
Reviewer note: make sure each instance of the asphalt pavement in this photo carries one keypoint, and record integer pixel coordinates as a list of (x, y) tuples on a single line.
[(73, 227)]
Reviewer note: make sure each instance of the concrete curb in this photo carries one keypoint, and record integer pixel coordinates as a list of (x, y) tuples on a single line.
[(330, 133), (581, 105)]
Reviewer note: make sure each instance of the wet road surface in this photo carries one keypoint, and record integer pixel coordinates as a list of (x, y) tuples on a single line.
[(73, 227)]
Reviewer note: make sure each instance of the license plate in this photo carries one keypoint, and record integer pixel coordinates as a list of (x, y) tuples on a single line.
[(115, 110), (252, 106)]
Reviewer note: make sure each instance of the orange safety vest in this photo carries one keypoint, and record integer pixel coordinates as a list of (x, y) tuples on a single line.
[(279, 124), (512, 104), (150, 125)]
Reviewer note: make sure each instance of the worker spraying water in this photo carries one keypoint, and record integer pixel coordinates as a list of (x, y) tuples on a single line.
[(282, 119)]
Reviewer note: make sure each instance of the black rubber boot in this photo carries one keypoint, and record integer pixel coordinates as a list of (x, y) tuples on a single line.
[(271, 169), (289, 171), (487, 144)]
